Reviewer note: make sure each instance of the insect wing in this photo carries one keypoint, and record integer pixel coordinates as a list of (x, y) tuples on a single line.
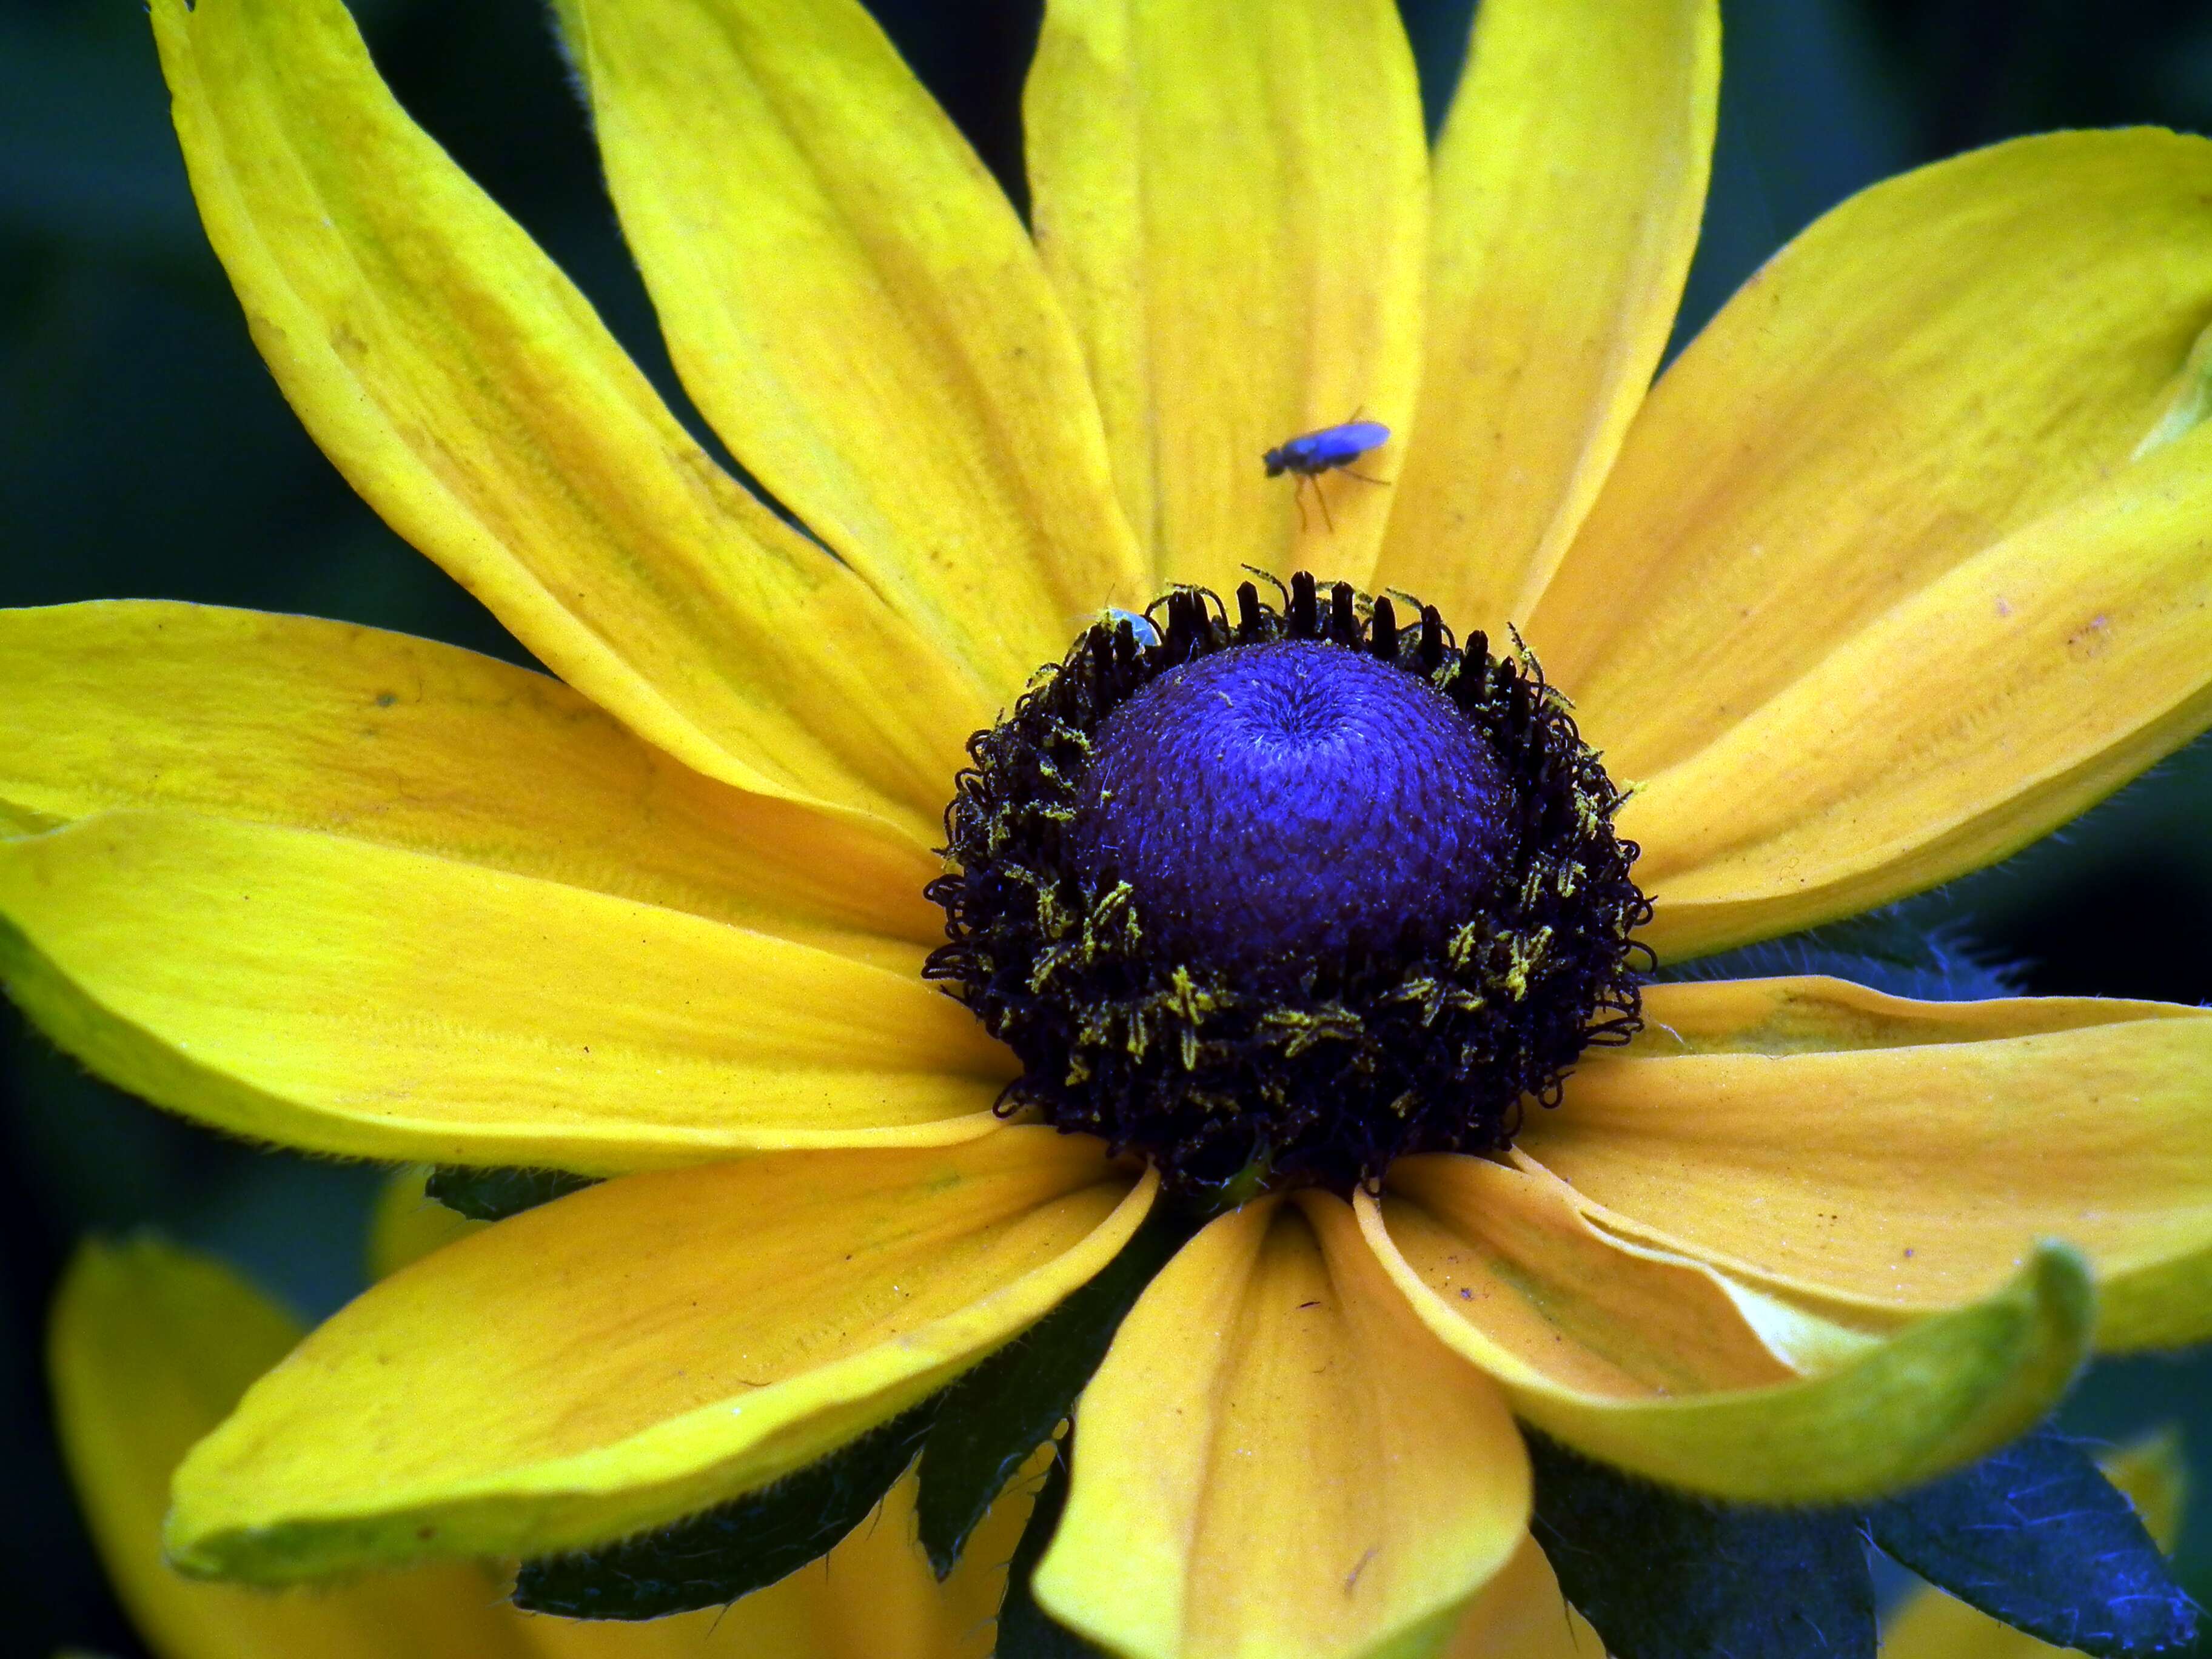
[(1332, 446)]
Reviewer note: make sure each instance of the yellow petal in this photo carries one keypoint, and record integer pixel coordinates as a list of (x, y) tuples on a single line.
[(1231, 200), (1929, 1625), (2153, 1473), (1879, 1416), (854, 304), (1521, 1614), (874, 1596), (355, 999), (1568, 186), (2043, 674), (1936, 364), (1274, 1462), (1902, 1156), (382, 737), (467, 390), (408, 1224), (644, 1349), (150, 1347), (1878, 587)]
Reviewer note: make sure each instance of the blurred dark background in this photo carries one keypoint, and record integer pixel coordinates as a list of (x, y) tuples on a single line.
[(144, 451)]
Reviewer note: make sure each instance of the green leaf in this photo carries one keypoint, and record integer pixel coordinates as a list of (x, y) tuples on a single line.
[(495, 1194), (1004, 1409), (732, 1550), (1662, 1575), (2036, 1537), (2033, 1535)]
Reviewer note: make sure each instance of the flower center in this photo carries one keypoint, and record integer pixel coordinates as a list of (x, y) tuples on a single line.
[(1278, 808), (1282, 898)]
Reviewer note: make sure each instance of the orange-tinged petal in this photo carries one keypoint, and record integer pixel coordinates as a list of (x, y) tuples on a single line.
[(467, 390), (355, 999), (1833, 1142), (1887, 580), (1568, 186), (150, 1346), (1521, 1614), (1560, 1303), (1877, 1416), (1271, 1372), (1232, 202), (399, 741), (854, 304), (644, 1349)]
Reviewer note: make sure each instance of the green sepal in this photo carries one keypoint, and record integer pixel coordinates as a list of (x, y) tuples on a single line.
[(1024, 1630), (495, 1194), (1000, 1411), (2038, 1538), (1661, 1574), (1899, 950), (736, 1548), (2034, 1536)]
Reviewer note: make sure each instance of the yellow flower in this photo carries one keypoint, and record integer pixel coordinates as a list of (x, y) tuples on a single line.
[(1902, 564), (151, 1346)]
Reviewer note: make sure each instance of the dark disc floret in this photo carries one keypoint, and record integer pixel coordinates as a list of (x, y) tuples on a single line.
[(1282, 898)]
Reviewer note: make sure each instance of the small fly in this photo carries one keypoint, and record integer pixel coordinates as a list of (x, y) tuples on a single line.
[(1331, 449)]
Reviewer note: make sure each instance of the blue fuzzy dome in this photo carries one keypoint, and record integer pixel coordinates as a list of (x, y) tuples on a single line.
[(1279, 809)]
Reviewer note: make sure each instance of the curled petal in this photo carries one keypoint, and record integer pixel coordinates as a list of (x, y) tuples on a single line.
[(1893, 1156), (1703, 1410)]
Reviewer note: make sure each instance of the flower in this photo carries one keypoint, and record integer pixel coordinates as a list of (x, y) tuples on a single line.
[(1900, 566), (151, 1346)]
